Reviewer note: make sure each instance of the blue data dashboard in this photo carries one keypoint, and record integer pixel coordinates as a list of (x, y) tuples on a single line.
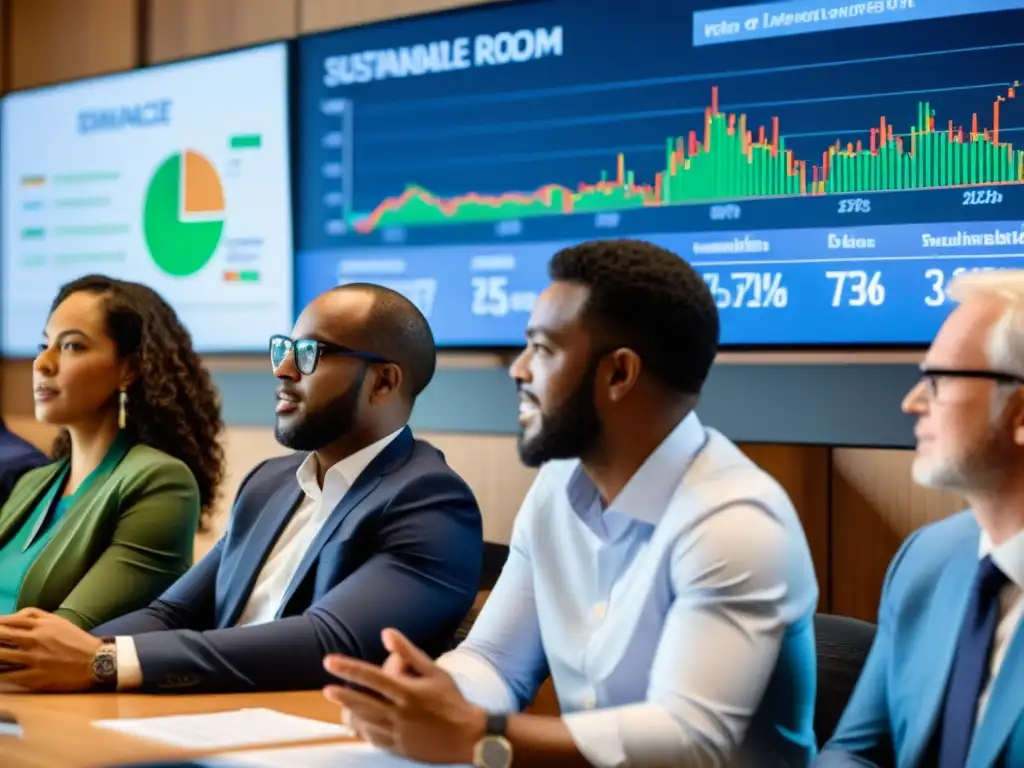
[(827, 166), (175, 176)]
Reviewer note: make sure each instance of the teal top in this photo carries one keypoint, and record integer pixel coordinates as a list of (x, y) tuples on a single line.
[(22, 549)]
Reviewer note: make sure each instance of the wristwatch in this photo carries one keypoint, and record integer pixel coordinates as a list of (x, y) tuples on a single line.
[(104, 665), (493, 750)]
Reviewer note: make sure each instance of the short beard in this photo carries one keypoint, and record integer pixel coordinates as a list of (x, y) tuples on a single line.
[(977, 470), (315, 430), (954, 477), (571, 431)]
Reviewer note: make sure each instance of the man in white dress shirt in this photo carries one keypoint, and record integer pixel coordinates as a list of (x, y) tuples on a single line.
[(363, 527), (660, 577)]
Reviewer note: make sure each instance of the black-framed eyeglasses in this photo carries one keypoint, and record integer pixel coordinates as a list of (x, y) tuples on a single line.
[(931, 376), (309, 351)]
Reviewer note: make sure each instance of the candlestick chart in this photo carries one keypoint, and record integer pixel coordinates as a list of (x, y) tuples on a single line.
[(729, 159), (828, 175)]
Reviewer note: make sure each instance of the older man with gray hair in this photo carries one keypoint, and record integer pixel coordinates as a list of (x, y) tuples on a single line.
[(942, 684)]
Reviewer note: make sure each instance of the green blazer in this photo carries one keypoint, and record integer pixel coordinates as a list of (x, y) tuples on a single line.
[(122, 542)]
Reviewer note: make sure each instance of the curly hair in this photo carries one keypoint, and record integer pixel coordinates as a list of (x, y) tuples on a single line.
[(647, 298), (172, 403)]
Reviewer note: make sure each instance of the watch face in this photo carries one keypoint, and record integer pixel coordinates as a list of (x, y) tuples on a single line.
[(495, 753), (104, 667)]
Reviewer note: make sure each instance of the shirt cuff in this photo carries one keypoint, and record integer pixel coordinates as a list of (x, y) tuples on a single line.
[(129, 670), (639, 734), (596, 734), (478, 682)]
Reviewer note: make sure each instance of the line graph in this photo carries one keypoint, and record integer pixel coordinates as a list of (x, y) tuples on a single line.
[(825, 185), (731, 160)]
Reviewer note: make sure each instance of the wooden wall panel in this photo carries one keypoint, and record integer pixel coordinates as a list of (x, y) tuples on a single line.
[(487, 462), (875, 505), (4, 52), (55, 40), (16, 388), (491, 466), (25, 425), (803, 471), (178, 29), (317, 15)]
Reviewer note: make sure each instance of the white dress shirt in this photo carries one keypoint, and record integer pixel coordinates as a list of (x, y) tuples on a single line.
[(663, 618), (280, 566), (1009, 556)]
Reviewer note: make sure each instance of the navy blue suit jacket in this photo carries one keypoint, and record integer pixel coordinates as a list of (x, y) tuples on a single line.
[(402, 549), (16, 458)]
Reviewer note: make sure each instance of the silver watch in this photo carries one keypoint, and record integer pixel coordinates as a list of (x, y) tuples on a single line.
[(493, 750)]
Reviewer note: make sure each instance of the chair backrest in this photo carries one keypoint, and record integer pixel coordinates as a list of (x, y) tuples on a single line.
[(494, 559), (467, 624), (842, 646), (495, 556)]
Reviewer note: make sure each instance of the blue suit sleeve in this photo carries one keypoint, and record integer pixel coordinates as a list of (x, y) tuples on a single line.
[(420, 579), (863, 736)]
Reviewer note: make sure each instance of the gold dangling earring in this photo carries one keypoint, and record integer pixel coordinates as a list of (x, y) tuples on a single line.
[(122, 410)]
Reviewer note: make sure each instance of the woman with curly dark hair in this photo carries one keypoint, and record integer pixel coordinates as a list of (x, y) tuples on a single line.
[(108, 526)]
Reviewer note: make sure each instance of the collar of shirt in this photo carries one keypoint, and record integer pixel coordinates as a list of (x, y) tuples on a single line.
[(647, 494), (339, 478), (1009, 556)]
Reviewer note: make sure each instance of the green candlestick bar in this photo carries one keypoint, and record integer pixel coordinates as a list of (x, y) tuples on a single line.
[(731, 162)]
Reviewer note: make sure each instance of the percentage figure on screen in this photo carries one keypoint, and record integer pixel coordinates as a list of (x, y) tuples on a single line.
[(857, 288), (748, 290)]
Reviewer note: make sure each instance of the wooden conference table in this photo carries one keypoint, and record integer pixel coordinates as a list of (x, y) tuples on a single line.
[(58, 731)]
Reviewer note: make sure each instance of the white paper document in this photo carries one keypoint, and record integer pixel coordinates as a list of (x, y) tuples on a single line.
[(354, 754), (227, 730)]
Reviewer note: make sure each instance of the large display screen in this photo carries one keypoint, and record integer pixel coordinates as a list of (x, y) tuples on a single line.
[(177, 177), (827, 166)]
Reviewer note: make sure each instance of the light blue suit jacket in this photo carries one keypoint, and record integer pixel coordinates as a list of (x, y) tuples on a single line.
[(898, 698)]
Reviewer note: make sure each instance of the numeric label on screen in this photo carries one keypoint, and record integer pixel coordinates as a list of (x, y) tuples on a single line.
[(855, 205), (856, 288), (490, 295), (983, 197), (939, 280)]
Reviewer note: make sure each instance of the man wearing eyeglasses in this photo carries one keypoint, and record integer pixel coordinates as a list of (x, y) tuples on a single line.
[(363, 528), (942, 683)]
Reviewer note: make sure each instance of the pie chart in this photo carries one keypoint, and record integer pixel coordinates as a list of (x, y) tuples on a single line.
[(183, 215)]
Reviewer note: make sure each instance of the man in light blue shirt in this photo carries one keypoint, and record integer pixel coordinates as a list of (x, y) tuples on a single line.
[(658, 575)]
